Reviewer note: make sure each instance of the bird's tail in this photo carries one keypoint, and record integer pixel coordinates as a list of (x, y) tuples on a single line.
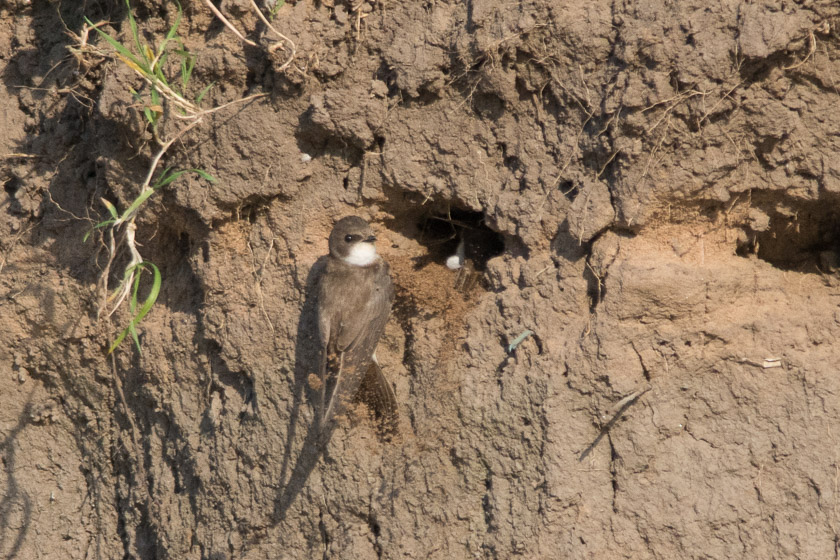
[(378, 394), (370, 387)]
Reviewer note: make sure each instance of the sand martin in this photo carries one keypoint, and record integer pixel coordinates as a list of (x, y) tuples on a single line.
[(354, 300)]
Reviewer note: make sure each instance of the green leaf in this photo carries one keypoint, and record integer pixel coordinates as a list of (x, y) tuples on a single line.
[(203, 92), (173, 31), (103, 224), (166, 177), (150, 300), (158, 73), (172, 35), (163, 174), (187, 66), (119, 47), (154, 111), (97, 226), (137, 203), (132, 306), (134, 33), (161, 63), (111, 208), (204, 175), (135, 338)]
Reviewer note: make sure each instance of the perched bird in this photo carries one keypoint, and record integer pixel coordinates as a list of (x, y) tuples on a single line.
[(354, 300)]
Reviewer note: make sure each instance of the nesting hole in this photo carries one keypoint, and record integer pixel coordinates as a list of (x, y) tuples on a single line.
[(422, 276), (441, 232), (805, 238)]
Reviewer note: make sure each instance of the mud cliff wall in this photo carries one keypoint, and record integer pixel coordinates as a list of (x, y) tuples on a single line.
[(663, 180)]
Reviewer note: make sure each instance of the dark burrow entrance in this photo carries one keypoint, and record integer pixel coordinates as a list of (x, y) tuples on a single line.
[(441, 278), (459, 239), (804, 237)]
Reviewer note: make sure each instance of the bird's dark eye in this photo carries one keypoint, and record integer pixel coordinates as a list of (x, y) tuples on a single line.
[(349, 238)]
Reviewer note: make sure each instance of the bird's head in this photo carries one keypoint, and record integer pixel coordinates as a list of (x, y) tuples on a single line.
[(352, 240)]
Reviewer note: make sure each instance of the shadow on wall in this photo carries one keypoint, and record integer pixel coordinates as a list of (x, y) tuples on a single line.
[(307, 351), (14, 499)]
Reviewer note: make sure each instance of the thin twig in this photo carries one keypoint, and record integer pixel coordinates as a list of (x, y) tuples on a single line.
[(621, 405), (811, 50), (228, 24), (136, 258), (282, 37), (258, 274), (153, 167), (229, 103), (106, 272)]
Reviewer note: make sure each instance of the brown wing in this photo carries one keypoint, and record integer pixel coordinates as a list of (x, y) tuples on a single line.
[(353, 312)]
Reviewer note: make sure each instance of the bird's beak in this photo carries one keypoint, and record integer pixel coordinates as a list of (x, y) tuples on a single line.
[(370, 239)]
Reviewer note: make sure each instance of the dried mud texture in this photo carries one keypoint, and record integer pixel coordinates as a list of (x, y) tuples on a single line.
[(663, 179)]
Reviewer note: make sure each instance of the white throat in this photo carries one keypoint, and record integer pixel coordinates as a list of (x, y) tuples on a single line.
[(456, 261), (361, 254)]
